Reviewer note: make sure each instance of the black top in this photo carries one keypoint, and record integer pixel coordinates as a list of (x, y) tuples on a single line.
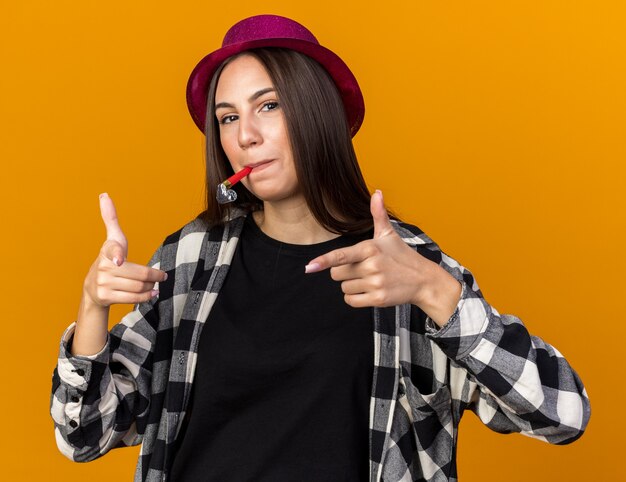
[(284, 374)]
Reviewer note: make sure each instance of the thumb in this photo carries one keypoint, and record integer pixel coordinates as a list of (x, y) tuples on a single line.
[(382, 225), (117, 244)]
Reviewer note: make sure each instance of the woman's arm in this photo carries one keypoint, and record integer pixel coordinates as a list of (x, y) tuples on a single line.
[(101, 384), (518, 382)]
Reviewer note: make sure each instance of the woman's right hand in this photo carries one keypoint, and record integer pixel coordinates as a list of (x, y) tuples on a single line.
[(111, 279)]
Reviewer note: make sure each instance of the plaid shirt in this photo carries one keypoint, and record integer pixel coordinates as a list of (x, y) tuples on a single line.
[(136, 390)]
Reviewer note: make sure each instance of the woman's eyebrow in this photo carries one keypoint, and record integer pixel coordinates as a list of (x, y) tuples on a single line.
[(252, 98), (259, 93)]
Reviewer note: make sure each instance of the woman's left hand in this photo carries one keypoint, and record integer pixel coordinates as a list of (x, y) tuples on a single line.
[(385, 271)]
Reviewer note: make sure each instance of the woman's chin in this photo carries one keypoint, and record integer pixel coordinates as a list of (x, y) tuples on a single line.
[(276, 196)]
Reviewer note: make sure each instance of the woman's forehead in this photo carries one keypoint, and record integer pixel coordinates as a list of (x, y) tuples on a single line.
[(243, 75)]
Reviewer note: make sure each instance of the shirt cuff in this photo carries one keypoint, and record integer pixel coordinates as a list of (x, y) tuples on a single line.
[(465, 328), (75, 370)]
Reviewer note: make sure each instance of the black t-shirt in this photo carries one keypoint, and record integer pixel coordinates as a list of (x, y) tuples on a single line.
[(284, 373)]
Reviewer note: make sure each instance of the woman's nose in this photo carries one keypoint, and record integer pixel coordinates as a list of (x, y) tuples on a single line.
[(249, 134)]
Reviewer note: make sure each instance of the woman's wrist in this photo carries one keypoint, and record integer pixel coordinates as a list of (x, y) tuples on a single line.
[(91, 327), (91, 308), (439, 297)]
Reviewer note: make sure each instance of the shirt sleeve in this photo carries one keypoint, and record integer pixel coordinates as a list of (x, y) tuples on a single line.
[(514, 382), (101, 401)]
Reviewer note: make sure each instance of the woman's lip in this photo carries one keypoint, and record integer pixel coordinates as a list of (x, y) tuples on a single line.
[(259, 165)]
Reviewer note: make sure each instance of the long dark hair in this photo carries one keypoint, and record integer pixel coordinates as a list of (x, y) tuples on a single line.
[(325, 162)]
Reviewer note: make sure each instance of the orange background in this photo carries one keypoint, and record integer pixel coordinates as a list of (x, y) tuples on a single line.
[(497, 127)]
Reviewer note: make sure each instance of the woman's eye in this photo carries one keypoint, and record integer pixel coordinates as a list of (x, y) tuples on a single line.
[(270, 106), (227, 119)]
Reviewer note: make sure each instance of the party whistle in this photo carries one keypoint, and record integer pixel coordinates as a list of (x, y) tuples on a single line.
[(224, 192)]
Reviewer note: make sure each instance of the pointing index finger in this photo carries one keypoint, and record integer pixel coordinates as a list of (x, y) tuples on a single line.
[(338, 257)]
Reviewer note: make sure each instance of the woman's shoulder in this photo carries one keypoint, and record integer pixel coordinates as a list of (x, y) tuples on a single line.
[(197, 236), (194, 227), (200, 227), (418, 240), (411, 234)]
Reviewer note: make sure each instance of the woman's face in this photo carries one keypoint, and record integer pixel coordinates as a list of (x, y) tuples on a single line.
[(253, 131)]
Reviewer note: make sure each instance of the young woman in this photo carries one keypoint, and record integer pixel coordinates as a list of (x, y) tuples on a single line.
[(299, 333)]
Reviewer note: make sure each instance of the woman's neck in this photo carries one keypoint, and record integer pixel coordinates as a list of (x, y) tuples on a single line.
[(293, 223)]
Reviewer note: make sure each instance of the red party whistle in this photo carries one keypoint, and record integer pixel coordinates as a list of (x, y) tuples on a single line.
[(224, 192)]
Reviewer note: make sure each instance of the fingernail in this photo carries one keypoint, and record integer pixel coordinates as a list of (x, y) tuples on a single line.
[(312, 267), (154, 293), (379, 192), (116, 261), (165, 277), (104, 194)]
